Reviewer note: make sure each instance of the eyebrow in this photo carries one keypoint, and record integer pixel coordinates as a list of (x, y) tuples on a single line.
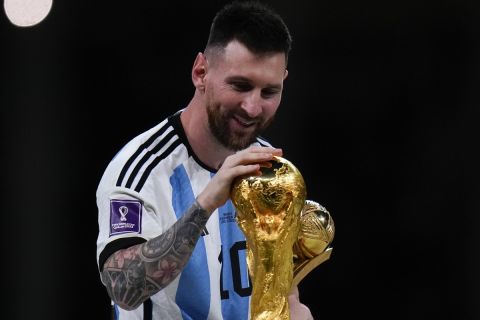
[(247, 80)]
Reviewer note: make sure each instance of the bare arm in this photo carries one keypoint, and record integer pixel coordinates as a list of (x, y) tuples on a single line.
[(134, 274), (298, 311)]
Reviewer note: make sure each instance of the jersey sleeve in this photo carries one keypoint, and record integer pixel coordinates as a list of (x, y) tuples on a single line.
[(127, 217), (121, 219)]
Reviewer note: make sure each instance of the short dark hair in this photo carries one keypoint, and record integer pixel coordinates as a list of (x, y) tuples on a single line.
[(253, 24)]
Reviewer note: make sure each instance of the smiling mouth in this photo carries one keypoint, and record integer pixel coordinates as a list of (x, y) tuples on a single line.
[(244, 122)]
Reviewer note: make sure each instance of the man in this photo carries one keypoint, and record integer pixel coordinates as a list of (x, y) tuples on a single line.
[(169, 246)]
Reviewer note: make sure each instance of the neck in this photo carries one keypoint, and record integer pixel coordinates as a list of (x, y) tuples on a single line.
[(206, 147)]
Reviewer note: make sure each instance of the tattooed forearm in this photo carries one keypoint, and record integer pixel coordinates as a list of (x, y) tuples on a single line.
[(134, 274)]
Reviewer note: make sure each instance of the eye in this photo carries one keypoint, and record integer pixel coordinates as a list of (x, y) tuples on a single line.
[(270, 92), (241, 86)]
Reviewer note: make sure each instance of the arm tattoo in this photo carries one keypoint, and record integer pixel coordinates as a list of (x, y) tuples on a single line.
[(136, 273)]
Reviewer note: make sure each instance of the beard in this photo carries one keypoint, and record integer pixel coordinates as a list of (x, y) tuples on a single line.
[(218, 124)]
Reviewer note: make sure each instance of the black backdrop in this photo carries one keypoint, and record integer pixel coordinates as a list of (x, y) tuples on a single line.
[(380, 114)]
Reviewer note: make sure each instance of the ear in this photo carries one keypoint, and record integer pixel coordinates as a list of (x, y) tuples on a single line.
[(199, 71), (285, 75)]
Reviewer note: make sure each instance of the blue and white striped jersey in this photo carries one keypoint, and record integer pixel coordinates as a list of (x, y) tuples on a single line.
[(145, 189)]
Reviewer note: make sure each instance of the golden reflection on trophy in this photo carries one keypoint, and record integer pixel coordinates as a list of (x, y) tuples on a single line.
[(268, 212), (312, 247), (287, 236)]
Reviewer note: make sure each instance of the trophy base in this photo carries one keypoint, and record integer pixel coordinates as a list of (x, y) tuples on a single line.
[(304, 268)]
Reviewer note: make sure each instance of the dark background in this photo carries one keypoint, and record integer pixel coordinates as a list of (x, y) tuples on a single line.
[(380, 115)]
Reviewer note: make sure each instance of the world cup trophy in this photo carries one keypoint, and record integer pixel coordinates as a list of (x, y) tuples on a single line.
[(284, 234), (268, 213)]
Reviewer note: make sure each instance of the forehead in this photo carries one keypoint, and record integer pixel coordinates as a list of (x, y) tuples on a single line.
[(238, 60)]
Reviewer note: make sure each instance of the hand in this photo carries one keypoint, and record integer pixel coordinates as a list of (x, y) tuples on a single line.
[(298, 311), (245, 162)]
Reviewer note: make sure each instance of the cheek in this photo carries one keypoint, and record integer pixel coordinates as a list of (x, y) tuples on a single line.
[(220, 94), (229, 100), (271, 108)]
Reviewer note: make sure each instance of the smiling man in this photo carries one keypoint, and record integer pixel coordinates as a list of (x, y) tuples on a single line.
[(169, 246), (244, 91)]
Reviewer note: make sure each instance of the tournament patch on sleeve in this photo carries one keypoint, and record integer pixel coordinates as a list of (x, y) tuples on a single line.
[(125, 216)]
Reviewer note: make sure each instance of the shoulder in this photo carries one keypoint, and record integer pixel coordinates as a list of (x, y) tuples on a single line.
[(134, 162)]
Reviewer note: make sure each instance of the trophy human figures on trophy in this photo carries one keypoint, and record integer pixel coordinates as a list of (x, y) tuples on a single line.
[(284, 234), (268, 212)]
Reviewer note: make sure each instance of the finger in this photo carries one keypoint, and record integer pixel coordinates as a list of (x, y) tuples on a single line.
[(245, 170), (250, 174), (277, 152), (247, 158), (261, 149), (265, 164)]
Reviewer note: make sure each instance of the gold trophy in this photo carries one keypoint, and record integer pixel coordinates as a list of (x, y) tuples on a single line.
[(287, 235), (314, 239), (268, 212)]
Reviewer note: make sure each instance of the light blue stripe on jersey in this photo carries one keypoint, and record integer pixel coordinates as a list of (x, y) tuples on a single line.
[(193, 293), (116, 316), (236, 306)]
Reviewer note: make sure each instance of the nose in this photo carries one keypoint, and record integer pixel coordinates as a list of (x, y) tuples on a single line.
[(252, 104)]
